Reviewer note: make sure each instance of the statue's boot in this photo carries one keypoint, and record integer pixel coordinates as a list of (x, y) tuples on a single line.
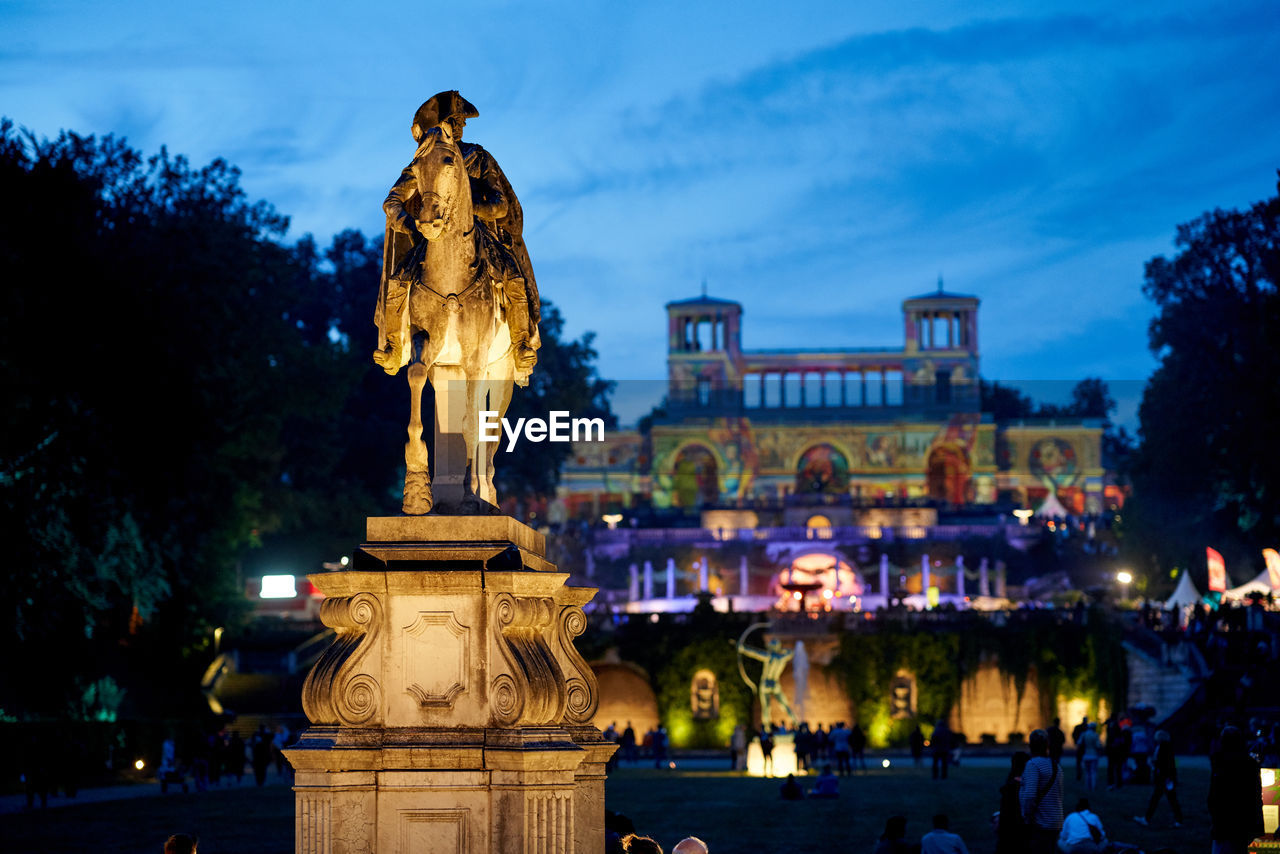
[(518, 323), (390, 356)]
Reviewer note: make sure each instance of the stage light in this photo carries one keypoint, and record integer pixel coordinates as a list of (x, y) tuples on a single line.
[(1124, 577), (884, 763), (139, 765), (278, 587)]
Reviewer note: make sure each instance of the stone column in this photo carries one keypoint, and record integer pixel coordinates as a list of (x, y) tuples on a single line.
[(452, 711)]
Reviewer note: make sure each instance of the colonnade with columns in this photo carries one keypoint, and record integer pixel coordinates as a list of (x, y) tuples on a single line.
[(943, 329), (822, 387), (692, 333)]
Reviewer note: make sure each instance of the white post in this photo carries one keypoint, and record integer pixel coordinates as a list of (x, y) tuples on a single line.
[(960, 576), (984, 586), (743, 580), (633, 589), (884, 578), (671, 578), (924, 575), (702, 574), (648, 580)]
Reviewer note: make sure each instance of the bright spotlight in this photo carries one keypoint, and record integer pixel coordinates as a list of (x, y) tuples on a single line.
[(278, 587), (345, 560), (139, 765), (1124, 576), (884, 763)]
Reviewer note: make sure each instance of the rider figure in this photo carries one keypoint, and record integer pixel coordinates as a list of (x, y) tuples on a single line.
[(501, 219), (774, 660)]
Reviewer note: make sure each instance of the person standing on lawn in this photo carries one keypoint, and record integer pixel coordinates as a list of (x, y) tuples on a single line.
[(1011, 830), (1040, 797), (1235, 795), (1165, 784)]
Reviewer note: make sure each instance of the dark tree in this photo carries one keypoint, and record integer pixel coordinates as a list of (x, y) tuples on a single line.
[(564, 380), (183, 389), (1090, 398), (1004, 403), (1207, 472), (170, 385)]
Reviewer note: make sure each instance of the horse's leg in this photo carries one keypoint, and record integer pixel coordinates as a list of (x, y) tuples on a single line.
[(473, 366), (499, 382), (417, 483)]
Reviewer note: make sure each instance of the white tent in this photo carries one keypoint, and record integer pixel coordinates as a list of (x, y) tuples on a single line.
[(1185, 594), (1052, 508), (1261, 584)]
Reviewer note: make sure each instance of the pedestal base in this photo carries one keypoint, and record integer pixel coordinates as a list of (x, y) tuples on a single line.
[(452, 712)]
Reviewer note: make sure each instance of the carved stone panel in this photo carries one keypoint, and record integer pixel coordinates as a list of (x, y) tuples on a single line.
[(437, 659), (440, 831)]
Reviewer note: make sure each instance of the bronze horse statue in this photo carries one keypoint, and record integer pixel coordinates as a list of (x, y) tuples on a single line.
[(452, 319)]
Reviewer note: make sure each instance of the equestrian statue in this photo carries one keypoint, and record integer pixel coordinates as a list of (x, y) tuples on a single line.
[(457, 305)]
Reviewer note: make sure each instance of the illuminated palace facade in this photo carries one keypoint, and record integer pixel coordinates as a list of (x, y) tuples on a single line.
[(848, 429)]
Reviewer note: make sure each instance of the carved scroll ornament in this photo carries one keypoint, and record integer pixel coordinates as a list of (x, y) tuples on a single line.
[(583, 693), (534, 690), (339, 691)]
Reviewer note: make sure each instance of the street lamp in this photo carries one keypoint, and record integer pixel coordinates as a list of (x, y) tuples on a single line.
[(612, 520), (1125, 578)]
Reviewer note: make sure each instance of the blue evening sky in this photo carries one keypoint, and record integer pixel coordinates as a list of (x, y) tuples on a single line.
[(818, 162)]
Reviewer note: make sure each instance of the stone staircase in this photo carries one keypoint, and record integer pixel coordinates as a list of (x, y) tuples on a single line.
[(1163, 676)]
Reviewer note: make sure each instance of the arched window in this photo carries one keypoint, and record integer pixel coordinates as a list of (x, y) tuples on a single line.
[(822, 470)]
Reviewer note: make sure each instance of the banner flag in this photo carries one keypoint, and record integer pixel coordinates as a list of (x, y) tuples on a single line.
[(1272, 557), (1217, 571)]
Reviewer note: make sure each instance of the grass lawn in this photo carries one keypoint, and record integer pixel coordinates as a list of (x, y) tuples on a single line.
[(734, 814), (248, 820)]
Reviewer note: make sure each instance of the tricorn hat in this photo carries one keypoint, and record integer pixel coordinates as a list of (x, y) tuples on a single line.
[(443, 106)]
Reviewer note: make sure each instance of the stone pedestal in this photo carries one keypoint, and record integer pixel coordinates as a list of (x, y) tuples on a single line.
[(452, 712)]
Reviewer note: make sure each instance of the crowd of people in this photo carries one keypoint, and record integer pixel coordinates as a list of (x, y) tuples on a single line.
[(223, 756), (652, 746), (1033, 817)]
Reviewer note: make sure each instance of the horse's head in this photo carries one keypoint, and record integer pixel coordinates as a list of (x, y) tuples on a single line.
[(442, 184)]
